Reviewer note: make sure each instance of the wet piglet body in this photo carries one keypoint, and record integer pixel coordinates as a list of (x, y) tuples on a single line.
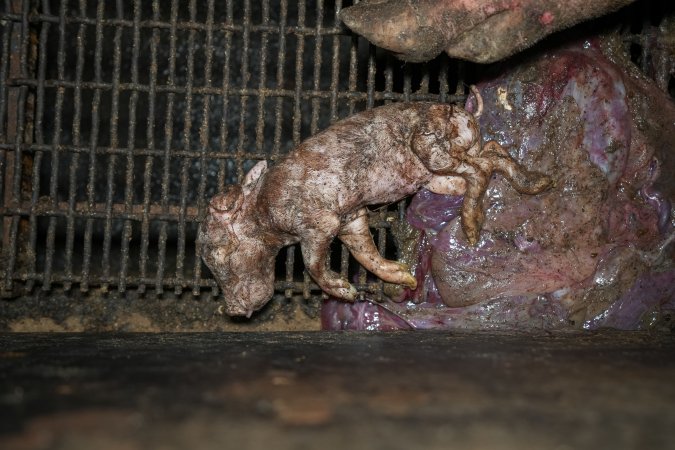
[(321, 190)]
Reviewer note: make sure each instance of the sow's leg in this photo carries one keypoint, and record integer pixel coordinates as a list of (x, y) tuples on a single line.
[(356, 236)]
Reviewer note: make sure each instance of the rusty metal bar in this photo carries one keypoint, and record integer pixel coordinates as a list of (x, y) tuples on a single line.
[(225, 87), (180, 25), (56, 154), (13, 130), (18, 130), (74, 162), (306, 94), (149, 160), (92, 149), (8, 65), (168, 138), (318, 41), (31, 262), (153, 211), (187, 129), (245, 79), (204, 139), (299, 63), (262, 81), (131, 145)]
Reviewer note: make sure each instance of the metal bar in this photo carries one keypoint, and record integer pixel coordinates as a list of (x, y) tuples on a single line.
[(59, 278), (278, 108), (131, 144), (74, 162), (388, 77), (56, 154), (13, 134), (168, 139), (370, 80), (316, 106), (7, 34), (149, 160), (180, 25), (299, 51), (187, 129), (245, 79), (353, 70), (85, 210), (222, 162), (335, 67), (93, 142), (305, 94), (114, 143), (13, 129), (4, 75), (38, 156), (177, 153), (262, 73), (443, 87), (407, 83), (204, 140)]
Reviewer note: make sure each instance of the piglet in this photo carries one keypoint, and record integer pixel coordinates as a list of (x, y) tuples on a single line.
[(322, 189)]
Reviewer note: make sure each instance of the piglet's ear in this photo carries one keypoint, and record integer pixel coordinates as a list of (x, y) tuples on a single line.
[(253, 175)]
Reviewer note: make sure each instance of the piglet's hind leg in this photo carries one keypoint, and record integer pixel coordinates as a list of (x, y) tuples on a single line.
[(356, 236), (524, 181), (477, 177)]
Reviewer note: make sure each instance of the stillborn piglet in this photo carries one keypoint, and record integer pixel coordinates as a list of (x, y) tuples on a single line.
[(321, 190)]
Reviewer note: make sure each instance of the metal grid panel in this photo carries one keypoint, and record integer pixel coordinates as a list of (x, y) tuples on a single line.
[(119, 120)]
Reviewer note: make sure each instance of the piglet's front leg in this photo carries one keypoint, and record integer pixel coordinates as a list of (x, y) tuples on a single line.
[(315, 241)]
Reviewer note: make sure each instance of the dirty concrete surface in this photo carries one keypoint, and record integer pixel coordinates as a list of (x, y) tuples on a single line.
[(604, 389), (131, 311)]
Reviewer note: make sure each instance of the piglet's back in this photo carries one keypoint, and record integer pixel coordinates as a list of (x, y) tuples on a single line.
[(365, 159)]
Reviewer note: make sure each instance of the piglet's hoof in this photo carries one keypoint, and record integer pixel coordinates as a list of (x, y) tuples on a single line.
[(405, 277), (341, 289)]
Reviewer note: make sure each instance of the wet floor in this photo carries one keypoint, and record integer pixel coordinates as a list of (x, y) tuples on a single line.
[(337, 390)]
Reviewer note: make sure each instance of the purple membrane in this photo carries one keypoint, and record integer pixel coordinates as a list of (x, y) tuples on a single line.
[(594, 251)]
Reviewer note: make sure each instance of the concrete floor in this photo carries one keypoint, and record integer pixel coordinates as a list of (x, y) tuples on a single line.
[(337, 390)]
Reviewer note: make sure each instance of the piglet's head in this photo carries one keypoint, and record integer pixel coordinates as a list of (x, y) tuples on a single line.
[(233, 249)]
